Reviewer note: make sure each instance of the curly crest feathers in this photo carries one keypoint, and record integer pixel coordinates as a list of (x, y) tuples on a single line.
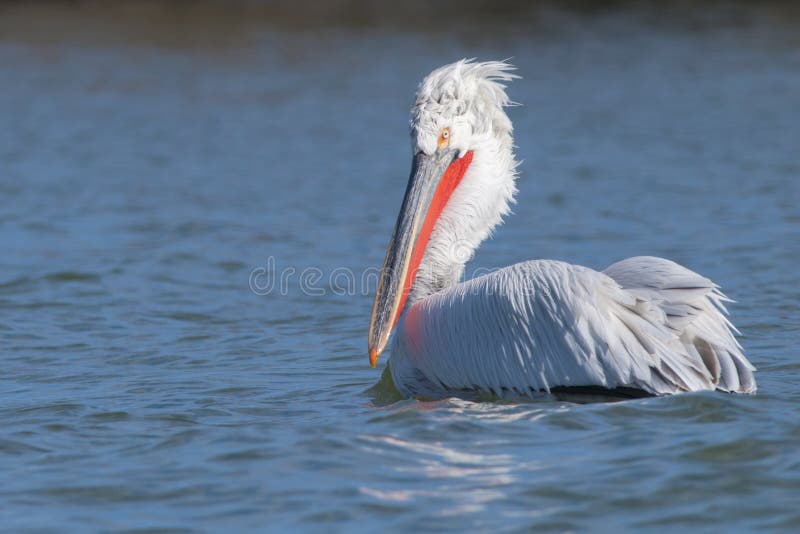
[(465, 87)]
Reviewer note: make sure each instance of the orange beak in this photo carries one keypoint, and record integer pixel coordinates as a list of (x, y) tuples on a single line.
[(433, 179)]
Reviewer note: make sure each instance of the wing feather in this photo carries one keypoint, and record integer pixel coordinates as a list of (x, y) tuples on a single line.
[(694, 307), (542, 324)]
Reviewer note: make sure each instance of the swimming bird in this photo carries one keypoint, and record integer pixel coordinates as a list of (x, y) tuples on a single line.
[(644, 325)]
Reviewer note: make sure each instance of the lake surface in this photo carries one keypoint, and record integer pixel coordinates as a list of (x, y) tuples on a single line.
[(154, 162)]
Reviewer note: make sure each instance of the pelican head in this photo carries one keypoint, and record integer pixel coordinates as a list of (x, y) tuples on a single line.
[(462, 181)]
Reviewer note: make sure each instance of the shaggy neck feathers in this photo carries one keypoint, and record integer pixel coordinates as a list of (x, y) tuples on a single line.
[(476, 207), (467, 98)]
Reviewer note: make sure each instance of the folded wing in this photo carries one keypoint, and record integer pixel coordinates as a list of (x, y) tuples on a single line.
[(695, 310), (539, 325)]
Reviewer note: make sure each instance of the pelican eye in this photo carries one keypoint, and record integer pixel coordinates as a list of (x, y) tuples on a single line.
[(444, 138)]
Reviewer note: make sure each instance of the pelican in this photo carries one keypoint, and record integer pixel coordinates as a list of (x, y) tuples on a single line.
[(644, 325)]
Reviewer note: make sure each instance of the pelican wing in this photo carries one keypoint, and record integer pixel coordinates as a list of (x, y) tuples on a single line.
[(539, 325), (695, 310)]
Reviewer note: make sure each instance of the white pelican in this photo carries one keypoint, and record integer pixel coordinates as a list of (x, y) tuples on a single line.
[(645, 325)]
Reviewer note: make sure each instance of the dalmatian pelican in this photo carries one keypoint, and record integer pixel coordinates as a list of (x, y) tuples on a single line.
[(644, 325)]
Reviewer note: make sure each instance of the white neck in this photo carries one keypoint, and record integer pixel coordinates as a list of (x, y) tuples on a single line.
[(477, 205)]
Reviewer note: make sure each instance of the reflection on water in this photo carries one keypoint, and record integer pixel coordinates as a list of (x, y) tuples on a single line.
[(439, 464), (154, 154)]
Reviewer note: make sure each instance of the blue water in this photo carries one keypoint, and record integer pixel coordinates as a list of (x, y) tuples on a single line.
[(151, 162)]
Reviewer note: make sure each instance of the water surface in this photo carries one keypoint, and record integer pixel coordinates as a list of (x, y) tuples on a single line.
[(152, 159)]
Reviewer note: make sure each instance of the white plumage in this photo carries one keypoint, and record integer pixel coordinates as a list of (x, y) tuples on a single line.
[(645, 323)]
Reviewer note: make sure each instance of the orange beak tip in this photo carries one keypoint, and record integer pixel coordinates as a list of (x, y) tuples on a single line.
[(373, 357)]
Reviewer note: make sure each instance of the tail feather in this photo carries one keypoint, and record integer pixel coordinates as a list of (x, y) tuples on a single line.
[(695, 310)]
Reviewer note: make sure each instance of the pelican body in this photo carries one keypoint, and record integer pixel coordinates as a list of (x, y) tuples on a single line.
[(645, 324)]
